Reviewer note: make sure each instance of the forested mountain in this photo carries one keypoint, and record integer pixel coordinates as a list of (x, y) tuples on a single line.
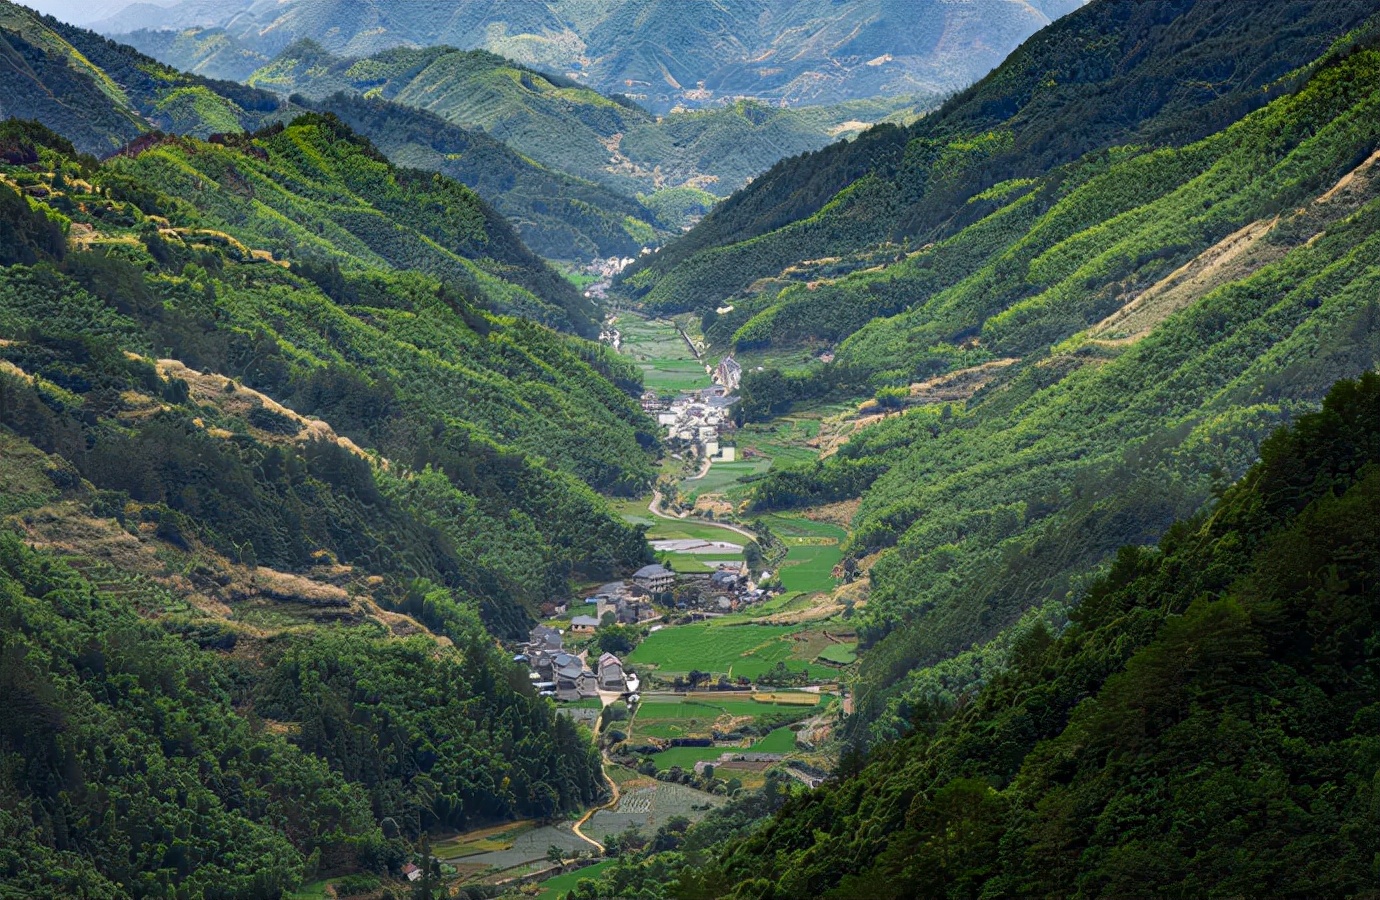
[(1156, 311), (558, 215), (657, 51), (1114, 73), (101, 95), (265, 505), (105, 95), (1204, 725), (571, 128)]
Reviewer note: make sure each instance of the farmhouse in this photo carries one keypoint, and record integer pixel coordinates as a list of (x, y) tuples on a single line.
[(626, 610), (544, 638), (655, 579), (412, 872), (574, 681), (611, 676), (584, 624)]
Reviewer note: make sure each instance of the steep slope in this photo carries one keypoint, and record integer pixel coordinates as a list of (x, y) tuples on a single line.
[(506, 414), (1202, 727), (102, 95), (319, 190), (1112, 73), (107, 94), (255, 517), (553, 120), (558, 215), (817, 51), (1193, 297), (571, 128)]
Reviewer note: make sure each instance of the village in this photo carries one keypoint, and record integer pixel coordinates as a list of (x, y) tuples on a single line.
[(698, 422), (563, 662)]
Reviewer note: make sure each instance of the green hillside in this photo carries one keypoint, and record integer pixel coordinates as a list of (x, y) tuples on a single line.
[(558, 215), (1203, 726), (1112, 74), (262, 519), (105, 95), (1191, 300), (552, 120), (517, 422), (570, 128), (101, 95), (320, 191)]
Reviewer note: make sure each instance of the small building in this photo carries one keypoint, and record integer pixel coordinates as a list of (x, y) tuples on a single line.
[(584, 624), (611, 676), (724, 579), (412, 872), (575, 682), (656, 578), (544, 638)]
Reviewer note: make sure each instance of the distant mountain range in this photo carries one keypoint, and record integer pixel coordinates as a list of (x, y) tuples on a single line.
[(566, 126), (661, 53)]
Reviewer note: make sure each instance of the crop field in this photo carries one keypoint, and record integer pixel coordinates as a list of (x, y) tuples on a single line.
[(668, 366), (788, 698), (812, 552), (523, 846), (732, 650), (722, 475), (843, 654), (697, 563), (694, 717), (780, 740), (649, 805), (810, 567), (787, 527), (556, 887), (658, 529)]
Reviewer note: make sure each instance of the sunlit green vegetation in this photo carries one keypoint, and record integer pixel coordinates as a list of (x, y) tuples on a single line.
[(737, 650), (1229, 627)]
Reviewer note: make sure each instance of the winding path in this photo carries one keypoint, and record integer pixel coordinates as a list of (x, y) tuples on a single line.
[(578, 827), (655, 509)]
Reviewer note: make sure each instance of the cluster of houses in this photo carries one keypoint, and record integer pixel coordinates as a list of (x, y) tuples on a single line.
[(729, 590), (700, 419), (566, 676), (605, 270)]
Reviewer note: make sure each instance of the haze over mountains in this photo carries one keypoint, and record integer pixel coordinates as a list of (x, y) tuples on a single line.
[(662, 53)]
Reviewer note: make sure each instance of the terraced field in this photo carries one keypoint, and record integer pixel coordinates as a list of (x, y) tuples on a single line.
[(553, 888), (648, 804)]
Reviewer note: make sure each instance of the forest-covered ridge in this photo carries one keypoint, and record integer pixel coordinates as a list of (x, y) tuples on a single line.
[(103, 95), (265, 515), (1202, 725), (1111, 73), (572, 128), (1167, 311)]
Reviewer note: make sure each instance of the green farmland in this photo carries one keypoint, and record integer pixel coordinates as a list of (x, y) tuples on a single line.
[(668, 367), (558, 886), (781, 740), (732, 650)]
